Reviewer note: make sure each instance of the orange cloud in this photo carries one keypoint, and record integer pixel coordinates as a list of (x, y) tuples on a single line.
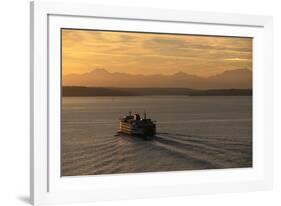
[(147, 53)]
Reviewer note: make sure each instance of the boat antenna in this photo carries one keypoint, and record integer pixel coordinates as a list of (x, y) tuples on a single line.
[(144, 115)]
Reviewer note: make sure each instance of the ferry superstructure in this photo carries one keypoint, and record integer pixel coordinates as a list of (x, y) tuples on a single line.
[(137, 126)]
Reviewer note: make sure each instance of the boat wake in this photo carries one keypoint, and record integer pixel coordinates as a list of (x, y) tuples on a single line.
[(210, 152), (121, 153)]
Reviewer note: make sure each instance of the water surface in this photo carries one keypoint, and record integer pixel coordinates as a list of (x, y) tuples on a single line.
[(192, 133)]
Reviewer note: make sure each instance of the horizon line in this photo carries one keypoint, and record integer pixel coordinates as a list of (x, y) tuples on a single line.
[(106, 71)]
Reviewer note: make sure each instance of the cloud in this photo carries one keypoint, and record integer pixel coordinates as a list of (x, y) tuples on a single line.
[(149, 53)]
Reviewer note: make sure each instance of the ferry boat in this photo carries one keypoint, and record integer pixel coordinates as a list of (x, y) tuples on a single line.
[(136, 126)]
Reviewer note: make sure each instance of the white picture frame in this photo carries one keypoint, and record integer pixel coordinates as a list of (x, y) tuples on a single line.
[(47, 186)]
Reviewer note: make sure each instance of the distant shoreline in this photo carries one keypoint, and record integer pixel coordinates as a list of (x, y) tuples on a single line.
[(79, 91)]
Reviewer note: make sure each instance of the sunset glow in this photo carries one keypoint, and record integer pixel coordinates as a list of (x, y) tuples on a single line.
[(146, 53)]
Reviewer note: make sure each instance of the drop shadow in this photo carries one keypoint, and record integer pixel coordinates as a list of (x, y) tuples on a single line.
[(24, 199)]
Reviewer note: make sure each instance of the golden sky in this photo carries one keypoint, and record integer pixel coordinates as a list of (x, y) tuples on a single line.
[(146, 53)]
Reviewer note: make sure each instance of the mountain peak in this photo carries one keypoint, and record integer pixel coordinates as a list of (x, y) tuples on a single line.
[(99, 71), (183, 75), (179, 74), (237, 79)]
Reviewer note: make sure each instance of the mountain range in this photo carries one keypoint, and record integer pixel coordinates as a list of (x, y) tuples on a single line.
[(231, 79)]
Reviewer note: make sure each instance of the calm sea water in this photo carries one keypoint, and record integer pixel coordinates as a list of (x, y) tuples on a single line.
[(192, 133)]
